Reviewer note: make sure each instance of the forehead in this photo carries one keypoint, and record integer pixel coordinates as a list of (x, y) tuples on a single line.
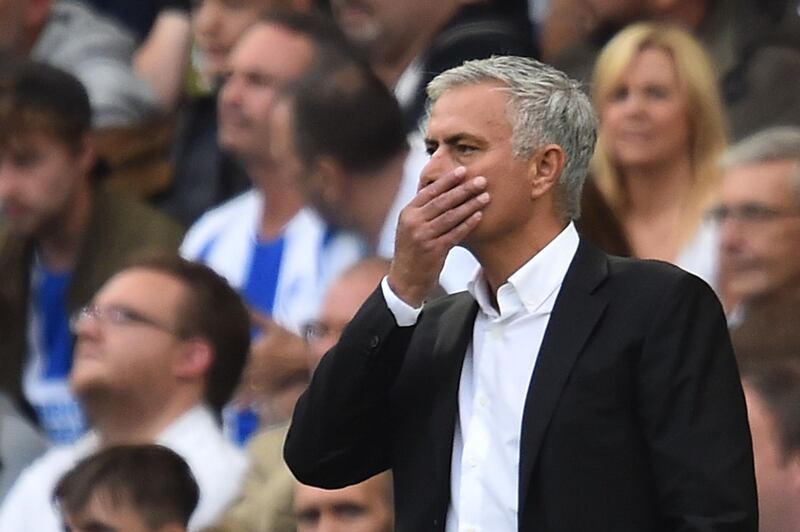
[(144, 289), (273, 50), (310, 497), (479, 110), (651, 63), (768, 182), (345, 295)]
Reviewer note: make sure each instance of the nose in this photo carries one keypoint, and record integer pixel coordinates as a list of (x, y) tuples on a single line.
[(730, 235), (231, 92), (328, 523), (440, 163)]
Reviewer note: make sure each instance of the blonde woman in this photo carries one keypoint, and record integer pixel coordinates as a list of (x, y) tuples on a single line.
[(661, 132)]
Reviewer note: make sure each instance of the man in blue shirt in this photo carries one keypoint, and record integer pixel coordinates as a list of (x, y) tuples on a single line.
[(61, 236)]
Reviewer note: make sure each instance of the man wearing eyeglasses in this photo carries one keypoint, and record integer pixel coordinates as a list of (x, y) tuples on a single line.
[(159, 351), (759, 219)]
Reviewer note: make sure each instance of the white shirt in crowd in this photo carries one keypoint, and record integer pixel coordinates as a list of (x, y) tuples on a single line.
[(217, 464)]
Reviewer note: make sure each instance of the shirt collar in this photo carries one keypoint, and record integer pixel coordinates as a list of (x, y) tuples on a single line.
[(531, 285)]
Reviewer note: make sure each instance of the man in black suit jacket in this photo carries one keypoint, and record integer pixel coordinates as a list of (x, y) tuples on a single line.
[(567, 390)]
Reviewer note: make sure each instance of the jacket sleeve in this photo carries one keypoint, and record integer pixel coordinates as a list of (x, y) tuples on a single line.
[(340, 431), (693, 414)]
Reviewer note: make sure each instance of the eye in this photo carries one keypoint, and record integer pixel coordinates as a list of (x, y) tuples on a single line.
[(25, 158), (619, 94), (431, 147), (658, 92), (465, 149), (350, 510)]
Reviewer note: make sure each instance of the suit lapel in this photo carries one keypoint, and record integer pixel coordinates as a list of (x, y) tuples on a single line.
[(574, 316), (453, 338)]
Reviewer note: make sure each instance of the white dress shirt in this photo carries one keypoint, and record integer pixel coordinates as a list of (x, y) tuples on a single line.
[(497, 370)]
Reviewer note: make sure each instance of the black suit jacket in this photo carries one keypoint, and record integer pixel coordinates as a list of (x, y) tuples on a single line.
[(634, 419)]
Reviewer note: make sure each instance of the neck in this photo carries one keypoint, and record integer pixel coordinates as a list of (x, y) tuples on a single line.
[(373, 197), (281, 201), (127, 419), (59, 243), (653, 191), (500, 258)]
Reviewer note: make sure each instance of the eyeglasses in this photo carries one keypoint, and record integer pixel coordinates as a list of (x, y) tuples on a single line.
[(316, 330), (117, 315), (749, 213)]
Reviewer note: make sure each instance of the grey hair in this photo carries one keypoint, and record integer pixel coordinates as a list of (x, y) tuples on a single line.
[(767, 146), (544, 107)]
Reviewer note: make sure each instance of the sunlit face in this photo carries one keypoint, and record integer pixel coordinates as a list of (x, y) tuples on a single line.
[(778, 488), (39, 180), (217, 24), (645, 120), (760, 256), (131, 357), (360, 508), (264, 60), (469, 127)]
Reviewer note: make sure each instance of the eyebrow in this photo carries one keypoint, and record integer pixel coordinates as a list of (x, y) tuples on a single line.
[(455, 139)]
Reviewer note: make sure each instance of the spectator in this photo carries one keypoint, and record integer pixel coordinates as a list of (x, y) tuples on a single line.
[(365, 507), (772, 389), (355, 168), (204, 173), (62, 236), (159, 351), (97, 50), (130, 488), (754, 47), (265, 504), (277, 253), (661, 135), (759, 219), (408, 43)]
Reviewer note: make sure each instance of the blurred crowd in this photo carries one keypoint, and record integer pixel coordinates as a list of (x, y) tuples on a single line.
[(196, 197)]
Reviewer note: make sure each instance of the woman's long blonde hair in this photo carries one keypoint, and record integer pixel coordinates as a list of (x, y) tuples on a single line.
[(707, 128)]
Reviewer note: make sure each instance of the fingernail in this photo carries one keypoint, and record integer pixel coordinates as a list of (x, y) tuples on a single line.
[(484, 198), (479, 181)]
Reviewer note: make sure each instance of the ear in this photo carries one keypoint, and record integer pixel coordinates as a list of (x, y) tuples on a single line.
[(331, 180), (545, 169), (194, 358), (87, 157)]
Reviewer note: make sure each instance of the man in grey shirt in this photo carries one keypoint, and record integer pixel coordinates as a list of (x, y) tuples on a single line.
[(97, 50)]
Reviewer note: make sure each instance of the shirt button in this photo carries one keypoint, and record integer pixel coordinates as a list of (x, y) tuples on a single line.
[(374, 342), (483, 400)]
